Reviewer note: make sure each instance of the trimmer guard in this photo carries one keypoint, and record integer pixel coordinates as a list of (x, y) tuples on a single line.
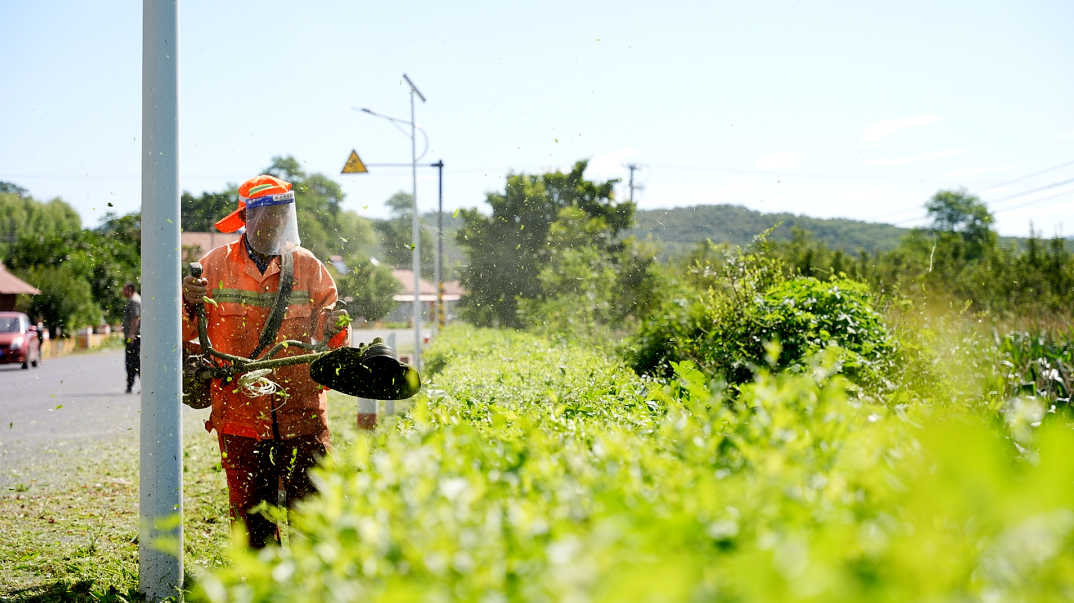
[(373, 372)]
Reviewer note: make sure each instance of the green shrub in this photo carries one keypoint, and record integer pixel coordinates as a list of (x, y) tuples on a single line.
[(538, 471), (805, 315), (802, 315)]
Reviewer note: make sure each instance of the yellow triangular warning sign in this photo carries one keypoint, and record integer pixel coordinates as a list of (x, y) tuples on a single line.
[(354, 165)]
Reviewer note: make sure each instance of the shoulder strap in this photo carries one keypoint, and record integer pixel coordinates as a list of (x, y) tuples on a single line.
[(279, 306)]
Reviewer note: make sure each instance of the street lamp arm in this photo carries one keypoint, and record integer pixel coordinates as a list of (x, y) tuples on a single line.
[(381, 115), (395, 122)]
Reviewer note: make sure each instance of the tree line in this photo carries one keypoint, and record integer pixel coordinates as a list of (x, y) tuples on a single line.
[(81, 271), (553, 253)]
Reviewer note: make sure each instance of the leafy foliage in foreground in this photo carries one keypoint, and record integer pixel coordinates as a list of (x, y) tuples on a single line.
[(540, 472)]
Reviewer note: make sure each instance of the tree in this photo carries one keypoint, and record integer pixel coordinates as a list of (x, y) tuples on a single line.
[(22, 215), (368, 289), (508, 250), (199, 214), (66, 300), (962, 214), (101, 261), (13, 189), (577, 285), (126, 228), (325, 228), (322, 223), (396, 236)]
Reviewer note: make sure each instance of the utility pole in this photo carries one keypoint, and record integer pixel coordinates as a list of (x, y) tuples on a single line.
[(439, 320), (640, 187), (415, 231)]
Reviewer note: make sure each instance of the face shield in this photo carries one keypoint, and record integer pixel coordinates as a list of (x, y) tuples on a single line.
[(272, 224)]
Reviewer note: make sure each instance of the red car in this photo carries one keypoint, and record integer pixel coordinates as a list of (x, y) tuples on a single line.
[(18, 340)]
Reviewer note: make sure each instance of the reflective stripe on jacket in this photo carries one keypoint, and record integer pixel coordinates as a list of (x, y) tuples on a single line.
[(244, 299)]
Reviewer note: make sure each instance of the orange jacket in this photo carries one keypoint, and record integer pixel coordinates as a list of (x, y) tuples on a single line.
[(244, 299)]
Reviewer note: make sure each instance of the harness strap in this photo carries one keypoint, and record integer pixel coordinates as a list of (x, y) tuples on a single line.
[(279, 306)]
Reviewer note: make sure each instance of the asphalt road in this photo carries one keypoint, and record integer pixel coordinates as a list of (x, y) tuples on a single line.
[(76, 403), (63, 404)]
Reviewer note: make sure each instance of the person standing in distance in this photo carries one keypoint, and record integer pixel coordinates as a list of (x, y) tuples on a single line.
[(132, 334), (266, 438)]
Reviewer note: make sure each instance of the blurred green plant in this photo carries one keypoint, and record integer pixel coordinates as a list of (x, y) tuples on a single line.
[(545, 471)]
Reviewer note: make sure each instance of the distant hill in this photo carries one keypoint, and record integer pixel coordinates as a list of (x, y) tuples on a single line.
[(678, 230)]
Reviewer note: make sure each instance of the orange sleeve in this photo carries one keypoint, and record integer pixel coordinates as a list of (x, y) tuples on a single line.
[(190, 328), (190, 325)]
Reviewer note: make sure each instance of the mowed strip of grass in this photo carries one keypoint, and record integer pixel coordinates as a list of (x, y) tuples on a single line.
[(75, 538)]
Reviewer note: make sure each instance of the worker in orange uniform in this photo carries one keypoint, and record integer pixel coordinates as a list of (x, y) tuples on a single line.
[(266, 438)]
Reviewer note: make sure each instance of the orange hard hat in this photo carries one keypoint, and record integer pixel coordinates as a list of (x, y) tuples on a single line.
[(254, 188)]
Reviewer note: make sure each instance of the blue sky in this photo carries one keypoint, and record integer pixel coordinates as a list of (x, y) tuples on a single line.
[(829, 109)]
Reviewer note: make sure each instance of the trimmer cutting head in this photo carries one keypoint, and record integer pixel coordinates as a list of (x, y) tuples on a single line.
[(373, 372)]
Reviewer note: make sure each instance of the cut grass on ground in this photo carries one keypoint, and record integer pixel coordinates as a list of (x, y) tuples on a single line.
[(76, 538)]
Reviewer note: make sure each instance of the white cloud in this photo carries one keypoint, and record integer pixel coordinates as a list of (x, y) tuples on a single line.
[(971, 172), (861, 195), (916, 158), (1068, 135), (778, 161), (882, 129), (610, 164), (679, 195), (722, 192)]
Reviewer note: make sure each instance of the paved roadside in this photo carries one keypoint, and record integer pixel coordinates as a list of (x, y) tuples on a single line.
[(71, 409), (68, 410)]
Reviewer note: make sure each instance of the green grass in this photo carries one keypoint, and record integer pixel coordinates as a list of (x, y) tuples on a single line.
[(74, 537)]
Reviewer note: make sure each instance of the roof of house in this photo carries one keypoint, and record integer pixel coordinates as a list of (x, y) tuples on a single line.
[(11, 284), (453, 291), (205, 241), (406, 278)]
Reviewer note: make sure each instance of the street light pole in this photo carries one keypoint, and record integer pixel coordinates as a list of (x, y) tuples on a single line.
[(355, 165), (415, 231), (438, 321)]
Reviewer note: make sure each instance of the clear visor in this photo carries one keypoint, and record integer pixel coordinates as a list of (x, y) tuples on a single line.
[(271, 229)]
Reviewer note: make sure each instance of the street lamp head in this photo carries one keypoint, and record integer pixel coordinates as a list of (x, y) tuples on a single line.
[(366, 110), (414, 88)]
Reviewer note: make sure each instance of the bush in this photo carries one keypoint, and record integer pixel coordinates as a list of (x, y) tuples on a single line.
[(742, 303), (546, 472)]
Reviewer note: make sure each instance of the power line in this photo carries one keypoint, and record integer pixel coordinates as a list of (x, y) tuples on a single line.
[(1048, 198), (1018, 179), (1009, 197), (1036, 190), (700, 168)]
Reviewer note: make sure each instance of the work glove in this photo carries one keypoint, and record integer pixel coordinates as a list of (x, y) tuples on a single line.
[(335, 327)]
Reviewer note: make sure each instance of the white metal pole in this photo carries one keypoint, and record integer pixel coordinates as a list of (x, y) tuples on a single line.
[(439, 248), (160, 542), (415, 234)]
